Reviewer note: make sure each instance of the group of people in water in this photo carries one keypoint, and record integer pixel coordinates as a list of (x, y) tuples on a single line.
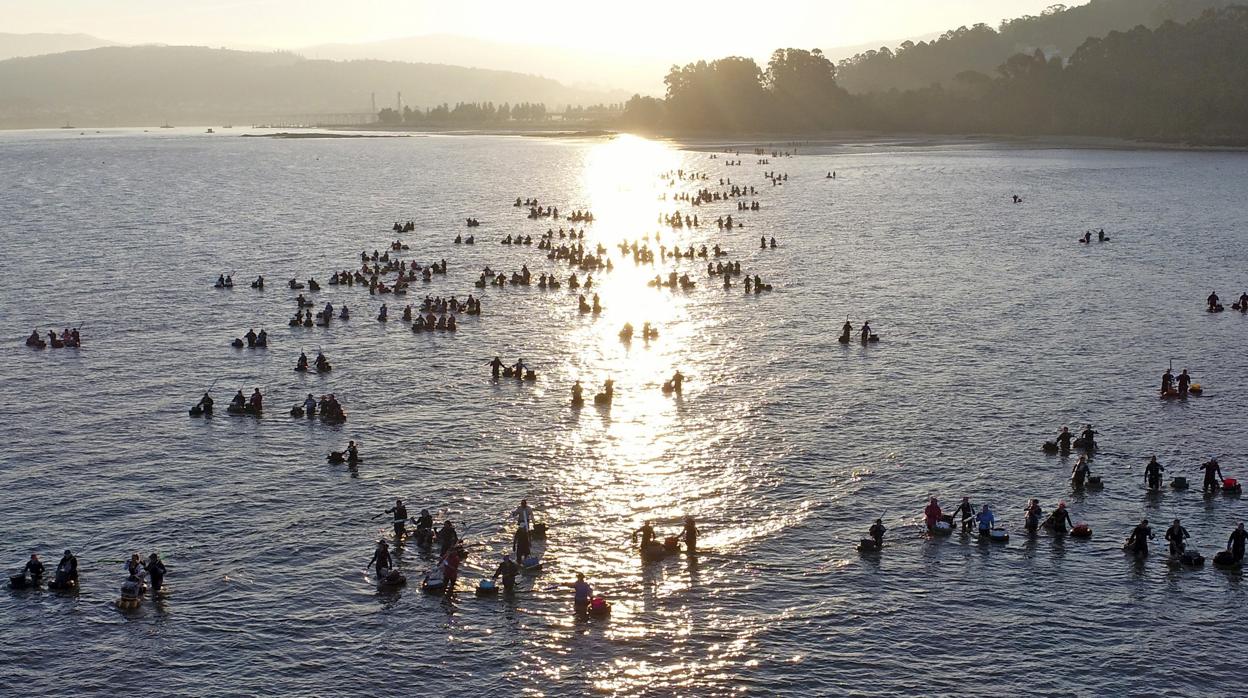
[(142, 575), (518, 370), (322, 364), (865, 335), (1059, 523), (520, 557), (1213, 304), (252, 340), (69, 338)]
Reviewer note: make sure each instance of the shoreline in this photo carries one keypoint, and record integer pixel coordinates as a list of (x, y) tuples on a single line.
[(694, 141), (712, 141)]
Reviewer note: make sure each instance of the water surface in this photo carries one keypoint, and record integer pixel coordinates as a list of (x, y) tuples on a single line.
[(996, 329)]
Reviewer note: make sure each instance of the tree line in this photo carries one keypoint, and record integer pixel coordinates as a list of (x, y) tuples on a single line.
[(487, 113), (1177, 82)]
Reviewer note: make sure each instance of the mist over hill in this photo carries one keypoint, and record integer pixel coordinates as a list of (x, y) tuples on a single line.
[(592, 70), (149, 85), (17, 45)]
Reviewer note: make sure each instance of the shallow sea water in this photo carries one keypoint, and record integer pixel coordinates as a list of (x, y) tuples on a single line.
[(997, 328)]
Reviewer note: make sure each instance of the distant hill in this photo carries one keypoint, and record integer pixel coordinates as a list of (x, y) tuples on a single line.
[(148, 85), (590, 69), (1058, 31), (18, 45)]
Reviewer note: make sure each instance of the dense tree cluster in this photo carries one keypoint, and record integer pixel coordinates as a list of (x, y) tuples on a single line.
[(1178, 82), (1057, 31), (798, 91)]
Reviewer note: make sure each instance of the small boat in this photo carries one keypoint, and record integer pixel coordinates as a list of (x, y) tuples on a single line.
[(487, 587), (210, 131), (999, 535), (1081, 530), (243, 409)]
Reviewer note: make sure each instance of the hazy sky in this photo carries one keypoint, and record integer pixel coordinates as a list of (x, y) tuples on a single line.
[(644, 27)]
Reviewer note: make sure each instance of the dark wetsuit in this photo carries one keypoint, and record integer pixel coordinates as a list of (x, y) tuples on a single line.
[(1033, 514), (1059, 520), (1176, 534), (521, 544), (381, 558), (691, 537), (447, 537), (496, 366), (1138, 541), (400, 518), (1185, 381), (1236, 544), (156, 570), (67, 569), (34, 568), (1152, 474), (1079, 475), (877, 533), (508, 571), (1213, 473), (967, 512), (1063, 440), (647, 534)]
